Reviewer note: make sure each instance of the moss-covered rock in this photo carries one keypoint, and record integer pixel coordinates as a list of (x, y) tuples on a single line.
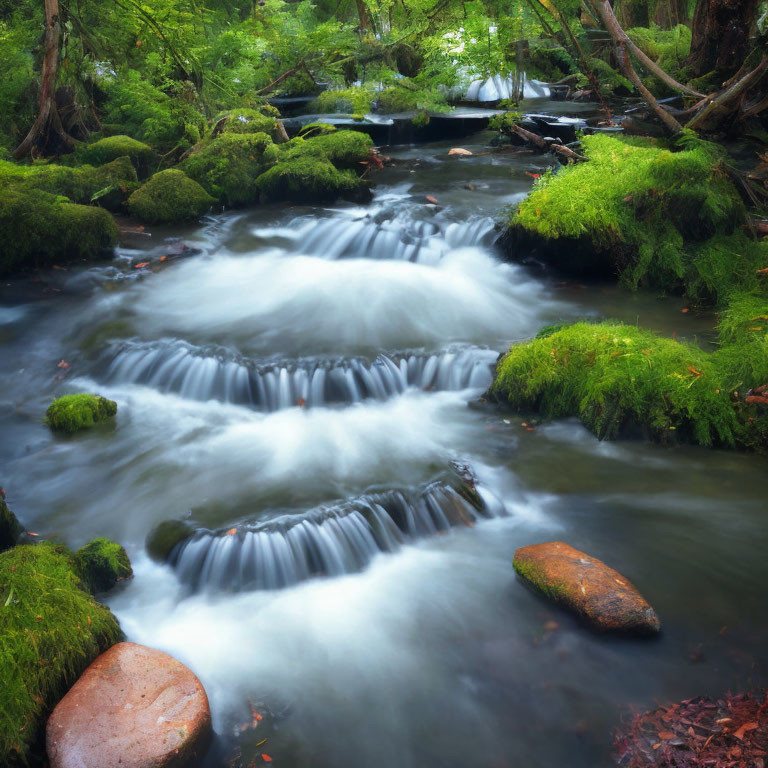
[(165, 536), (103, 151), (10, 527), (659, 218), (50, 630), (317, 128), (345, 149), (310, 180), (79, 184), (72, 413), (38, 229), (250, 121), (227, 167), (101, 564), (618, 378), (169, 196)]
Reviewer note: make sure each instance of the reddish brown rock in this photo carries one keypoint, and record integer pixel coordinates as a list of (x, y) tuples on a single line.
[(134, 707), (587, 586)]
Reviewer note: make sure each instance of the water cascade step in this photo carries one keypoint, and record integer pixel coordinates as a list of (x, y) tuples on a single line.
[(326, 541), (199, 374)]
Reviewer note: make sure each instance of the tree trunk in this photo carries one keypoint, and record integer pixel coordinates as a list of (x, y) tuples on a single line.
[(47, 128), (362, 12), (721, 31), (632, 13), (670, 13)]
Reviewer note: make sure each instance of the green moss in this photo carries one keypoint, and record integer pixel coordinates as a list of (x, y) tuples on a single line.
[(101, 564), (534, 575), (310, 180), (165, 536), (349, 101), (316, 129), (345, 149), (250, 121), (72, 413), (78, 184), (141, 155), (169, 196), (50, 630), (618, 377), (10, 527), (667, 219), (407, 96), (743, 354), (227, 167), (38, 229), (669, 48)]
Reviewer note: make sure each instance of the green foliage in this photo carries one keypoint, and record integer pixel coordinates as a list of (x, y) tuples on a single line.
[(616, 377), (669, 219), (349, 101), (113, 147), (50, 630), (101, 564), (310, 180), (316, 129), (345, 149), (250, 121), (169, 196), (18, 84), (38, 229), (669, 48), (744, 339), (227, 167), (410, 96), (71, 413)]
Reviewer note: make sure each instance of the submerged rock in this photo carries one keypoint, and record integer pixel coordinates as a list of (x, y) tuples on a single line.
[(587, 586), (134, 707), (169, 196), (165, 536), (50, 630), (72, 413), (10, 527), (101, 564)]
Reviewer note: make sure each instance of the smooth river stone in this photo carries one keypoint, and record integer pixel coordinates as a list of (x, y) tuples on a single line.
[(587, 586), (134, 707)]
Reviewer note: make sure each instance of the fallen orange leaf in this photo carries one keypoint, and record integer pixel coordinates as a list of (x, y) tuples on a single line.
[(431, 199), (744, 728), (694, 371), (266, 758), (666, 735), (685, 310), (62, 364), (459, 151), (141, 265), (231, 531)]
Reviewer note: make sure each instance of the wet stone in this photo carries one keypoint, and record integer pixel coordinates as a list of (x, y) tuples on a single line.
[(133, 707)]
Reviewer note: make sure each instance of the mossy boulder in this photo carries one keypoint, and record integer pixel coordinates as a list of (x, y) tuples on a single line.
[(108, 149), (227, 167), (169, 196), (619, 379), (72, 413), (658, 215), (165, 536), (101, 564), (250, 121), (38, 229), (50, 631), (587, 586), (79, 184), (10, 527), (345, 149), (310, 180)]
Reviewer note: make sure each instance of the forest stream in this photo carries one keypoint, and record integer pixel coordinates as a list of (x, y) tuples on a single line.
[(303, 371)]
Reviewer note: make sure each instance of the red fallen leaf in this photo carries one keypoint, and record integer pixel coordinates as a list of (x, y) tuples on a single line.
[(744, 728), (258, 717), (763, 271), (761, 399), (530, 429), (231, 531), (60, 269), (759, 390), (686, 310), (141, 265), (163, 258), (629, 198), (694, 371), (665, 735), (30, 533), (431, 199), (62, 364), (301, 402), (533, 175), (266, 758)]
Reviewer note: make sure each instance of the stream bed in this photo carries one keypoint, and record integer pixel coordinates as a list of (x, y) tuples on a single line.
[(303, 364)]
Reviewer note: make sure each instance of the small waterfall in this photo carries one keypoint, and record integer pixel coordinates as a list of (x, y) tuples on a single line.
[(497, 88), (326, 541), (410, 240), (197, 374)]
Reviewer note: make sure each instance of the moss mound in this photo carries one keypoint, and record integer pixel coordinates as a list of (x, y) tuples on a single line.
[(50, 630), (350, 101), (79, 184), (617, 378), (38, 229), (663, 219), (250, 121), (227, 167), (103, 151), (345, 149), (169, 196), (10, 527), (72, 413), (165, 536), (101, 564), (310, 180)]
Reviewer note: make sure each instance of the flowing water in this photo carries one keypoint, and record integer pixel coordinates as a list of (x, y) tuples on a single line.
[(295, 384)]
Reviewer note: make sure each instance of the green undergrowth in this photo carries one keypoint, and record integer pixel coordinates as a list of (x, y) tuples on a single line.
[(50, 630), (169, 196), (670, 220), (71, 413), (669, 48), (618, 379), (38, 229)]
